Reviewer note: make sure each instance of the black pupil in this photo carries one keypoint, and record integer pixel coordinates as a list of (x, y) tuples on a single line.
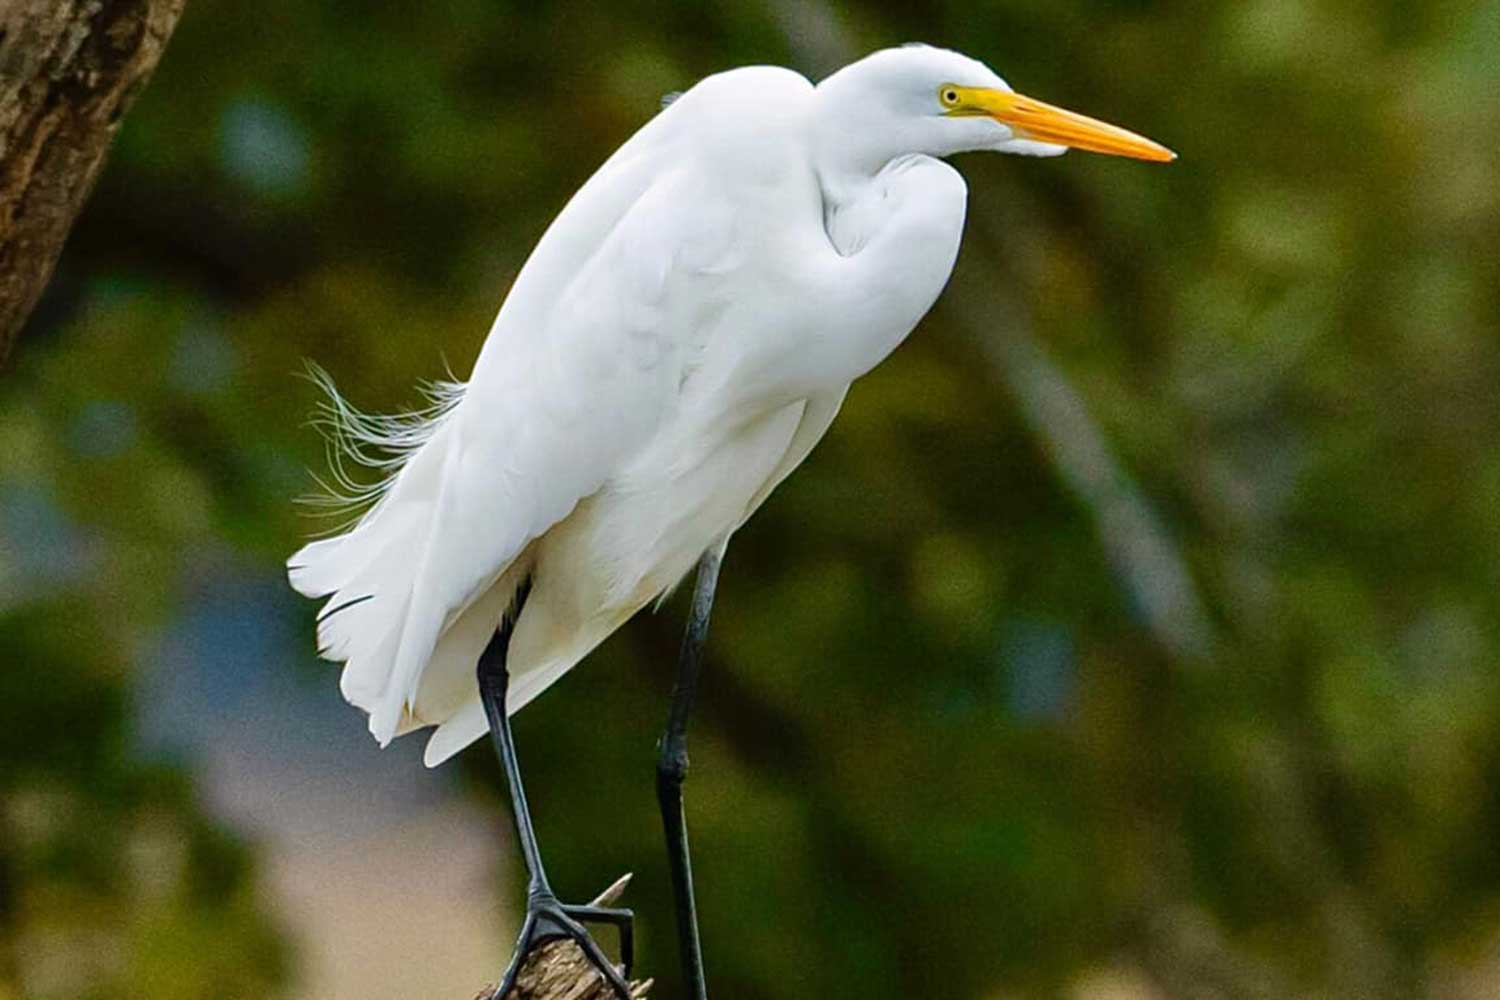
[(950, 96)]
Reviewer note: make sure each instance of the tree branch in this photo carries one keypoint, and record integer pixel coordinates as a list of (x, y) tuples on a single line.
[(69, 70), (558, 970)]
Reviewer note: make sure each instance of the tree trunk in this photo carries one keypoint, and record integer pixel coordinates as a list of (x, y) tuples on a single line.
[(69, 70)]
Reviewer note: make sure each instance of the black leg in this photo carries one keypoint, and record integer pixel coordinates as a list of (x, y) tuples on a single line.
[(546, 918), (672, 766)]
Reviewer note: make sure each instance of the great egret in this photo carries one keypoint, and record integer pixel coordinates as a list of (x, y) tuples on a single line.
[(678, 341)]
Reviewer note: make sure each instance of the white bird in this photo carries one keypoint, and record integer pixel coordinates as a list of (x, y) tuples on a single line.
[(678, 341)]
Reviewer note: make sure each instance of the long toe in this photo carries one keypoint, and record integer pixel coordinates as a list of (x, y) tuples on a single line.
[(623, 920)]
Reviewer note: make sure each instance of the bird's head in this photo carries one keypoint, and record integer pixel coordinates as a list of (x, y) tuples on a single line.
[(921, 99)]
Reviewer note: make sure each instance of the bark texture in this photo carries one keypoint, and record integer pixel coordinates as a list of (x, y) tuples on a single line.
[(69, 70), (558, 971)]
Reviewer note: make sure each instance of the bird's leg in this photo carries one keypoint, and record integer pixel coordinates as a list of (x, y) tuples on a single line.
[(672, 766), (546, 918)]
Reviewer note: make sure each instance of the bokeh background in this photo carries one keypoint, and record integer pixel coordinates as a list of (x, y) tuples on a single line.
[(1133, 634)]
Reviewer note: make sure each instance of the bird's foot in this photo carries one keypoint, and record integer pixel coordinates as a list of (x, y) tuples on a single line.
[(549, 920)]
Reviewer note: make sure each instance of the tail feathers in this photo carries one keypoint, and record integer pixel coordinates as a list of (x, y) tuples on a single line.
[(363, 622), (314, 569), (326, 566), (447, 681), (407, 662), (367, 572), (366, 577), (360, 627), (367, 648), (464, 727)]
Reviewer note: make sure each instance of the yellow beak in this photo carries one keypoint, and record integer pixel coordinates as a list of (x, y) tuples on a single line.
[(1031, 119)]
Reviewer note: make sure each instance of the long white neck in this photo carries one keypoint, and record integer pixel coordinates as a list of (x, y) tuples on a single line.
[(845, 137), (850, 152), (859, 131)]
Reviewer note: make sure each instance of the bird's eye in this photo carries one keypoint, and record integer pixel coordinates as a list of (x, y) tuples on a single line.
[(949, 97)]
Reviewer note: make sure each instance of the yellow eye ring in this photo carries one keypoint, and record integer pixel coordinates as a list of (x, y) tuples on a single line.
[(948, 95)]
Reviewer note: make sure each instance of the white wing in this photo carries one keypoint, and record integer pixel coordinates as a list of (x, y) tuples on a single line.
[(585, 359), (817, 416)]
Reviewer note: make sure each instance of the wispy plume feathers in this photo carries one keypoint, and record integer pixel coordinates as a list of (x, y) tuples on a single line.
[(358, 442)]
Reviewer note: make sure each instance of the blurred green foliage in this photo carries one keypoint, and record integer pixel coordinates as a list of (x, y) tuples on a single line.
[(946, 748), (111, 883)]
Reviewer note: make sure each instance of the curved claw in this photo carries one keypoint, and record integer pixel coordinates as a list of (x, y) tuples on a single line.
[(547, 922)]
